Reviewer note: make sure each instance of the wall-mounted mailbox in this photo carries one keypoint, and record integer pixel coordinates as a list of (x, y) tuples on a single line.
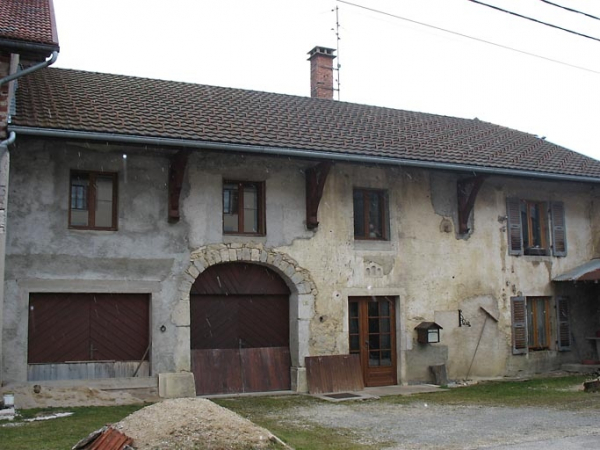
[(428, 332)]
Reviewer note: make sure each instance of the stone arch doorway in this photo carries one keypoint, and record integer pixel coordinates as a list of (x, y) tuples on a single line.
[(240, 329)]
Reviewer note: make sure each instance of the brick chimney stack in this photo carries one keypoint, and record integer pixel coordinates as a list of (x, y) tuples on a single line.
[(321, 72)]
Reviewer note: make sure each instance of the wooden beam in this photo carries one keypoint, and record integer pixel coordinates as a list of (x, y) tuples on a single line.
[(315, 182), (467, 190), (177, 167)]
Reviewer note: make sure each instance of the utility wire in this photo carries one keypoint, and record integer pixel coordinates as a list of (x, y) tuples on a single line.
[(535, 20), (467, 36), (570, 9)]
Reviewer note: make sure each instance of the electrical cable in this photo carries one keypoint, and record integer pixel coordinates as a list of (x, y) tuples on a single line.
[(570, 9), (468, 37), (534, 20)]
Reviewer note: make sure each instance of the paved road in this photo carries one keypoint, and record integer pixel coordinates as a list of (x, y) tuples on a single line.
[(570, 443)]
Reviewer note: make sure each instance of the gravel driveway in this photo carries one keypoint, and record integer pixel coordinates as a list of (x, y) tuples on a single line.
[(423, 426)]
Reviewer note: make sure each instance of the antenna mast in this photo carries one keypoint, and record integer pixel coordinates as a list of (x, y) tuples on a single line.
[(337, 35)]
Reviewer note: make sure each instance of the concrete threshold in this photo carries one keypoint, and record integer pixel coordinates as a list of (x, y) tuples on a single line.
[(366, 393), (581, 368), (248, 394), (377, 392)]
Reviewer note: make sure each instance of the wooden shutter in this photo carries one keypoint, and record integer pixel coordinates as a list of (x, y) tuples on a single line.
[(562, 322), (559, 232), (514, 227), (519, 324)]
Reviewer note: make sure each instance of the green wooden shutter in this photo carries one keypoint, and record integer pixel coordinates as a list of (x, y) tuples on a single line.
[(514, 227), (559, 232), (562, 322), (518, 307)]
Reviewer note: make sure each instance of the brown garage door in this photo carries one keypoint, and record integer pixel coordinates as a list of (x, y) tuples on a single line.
[(240, 330), (87, 327)]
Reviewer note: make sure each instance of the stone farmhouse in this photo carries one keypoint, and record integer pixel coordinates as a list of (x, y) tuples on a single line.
[(172, 233)]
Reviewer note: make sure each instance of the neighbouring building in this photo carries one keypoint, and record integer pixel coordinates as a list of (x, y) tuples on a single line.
[(28, 42)]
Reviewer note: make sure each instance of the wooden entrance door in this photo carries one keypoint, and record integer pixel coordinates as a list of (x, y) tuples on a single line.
[(373, 337), (240, 330)]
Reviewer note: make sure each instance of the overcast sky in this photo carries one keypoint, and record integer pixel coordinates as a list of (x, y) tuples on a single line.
[(385, 61)]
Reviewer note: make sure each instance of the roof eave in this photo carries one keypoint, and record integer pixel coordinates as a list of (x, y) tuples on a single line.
[(292, 152), (17, 46)]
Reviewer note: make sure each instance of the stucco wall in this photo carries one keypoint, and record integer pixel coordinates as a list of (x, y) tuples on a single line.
[(430, 270)]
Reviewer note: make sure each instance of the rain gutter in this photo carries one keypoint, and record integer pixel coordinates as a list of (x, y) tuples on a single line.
[(291, 152), (32, 47)]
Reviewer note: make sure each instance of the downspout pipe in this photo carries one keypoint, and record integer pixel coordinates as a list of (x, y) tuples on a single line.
[(31, 69), (11, 138)]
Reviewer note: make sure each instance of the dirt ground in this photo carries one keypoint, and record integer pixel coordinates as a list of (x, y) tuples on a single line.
[(36, 396), (187, 422), (164, 424), (183, 422)]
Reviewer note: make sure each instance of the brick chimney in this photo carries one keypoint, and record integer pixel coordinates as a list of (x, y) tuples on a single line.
[(321, 72)]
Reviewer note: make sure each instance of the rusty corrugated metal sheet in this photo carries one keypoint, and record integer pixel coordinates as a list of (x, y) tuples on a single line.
[(107, 439), (111, 439), (590, 271)]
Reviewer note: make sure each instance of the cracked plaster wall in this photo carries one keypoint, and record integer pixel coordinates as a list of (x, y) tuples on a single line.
[(430, 270)]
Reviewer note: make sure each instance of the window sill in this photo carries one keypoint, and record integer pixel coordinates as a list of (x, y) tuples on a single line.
[(538, 258), (536, 252), (233, 238), (372, 244), (93, 229)]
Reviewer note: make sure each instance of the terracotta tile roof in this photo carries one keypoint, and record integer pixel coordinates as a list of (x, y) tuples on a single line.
[(30, 21), (62, 99)]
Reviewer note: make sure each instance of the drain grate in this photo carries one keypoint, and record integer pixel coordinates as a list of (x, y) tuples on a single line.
[(342, 395)]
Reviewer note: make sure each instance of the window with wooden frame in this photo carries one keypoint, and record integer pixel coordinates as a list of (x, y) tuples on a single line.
[(532, 324), (244, 207), (531, 224), (370, 214), (93, 200), (538, 323)]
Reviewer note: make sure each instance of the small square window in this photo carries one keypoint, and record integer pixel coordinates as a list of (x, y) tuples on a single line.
[(93, 201), (243, 207), (370, 214)]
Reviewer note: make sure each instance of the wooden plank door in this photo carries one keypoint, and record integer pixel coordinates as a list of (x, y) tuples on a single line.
[(240, 343), (239, 316), (88, 327), (373, 337)]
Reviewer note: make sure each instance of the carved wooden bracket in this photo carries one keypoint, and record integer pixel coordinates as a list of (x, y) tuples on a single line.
[(467, 190), (177, 167), (315, 182)]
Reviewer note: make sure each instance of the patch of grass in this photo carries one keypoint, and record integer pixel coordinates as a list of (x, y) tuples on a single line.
[(555, 392), (61, 433)]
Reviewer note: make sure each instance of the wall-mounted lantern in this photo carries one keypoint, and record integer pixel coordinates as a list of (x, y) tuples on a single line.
[(428, 332)]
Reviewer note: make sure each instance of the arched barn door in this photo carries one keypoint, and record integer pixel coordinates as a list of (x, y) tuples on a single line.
[(240, 330)]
